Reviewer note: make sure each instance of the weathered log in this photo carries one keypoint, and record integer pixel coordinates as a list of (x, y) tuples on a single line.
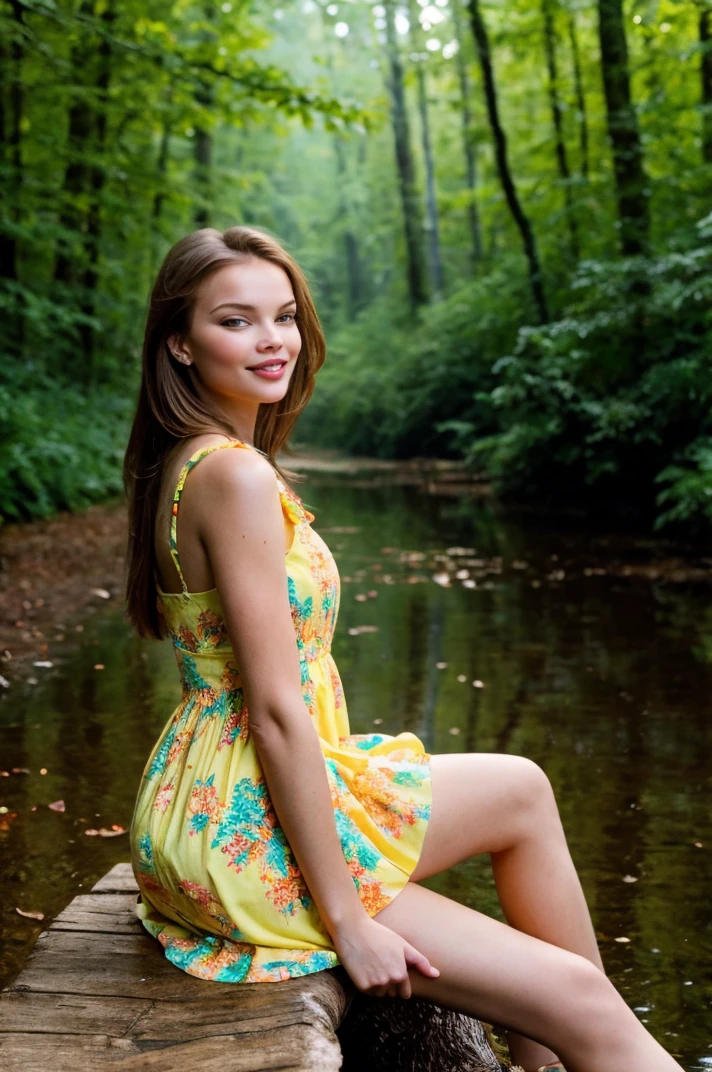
[(97, 992)]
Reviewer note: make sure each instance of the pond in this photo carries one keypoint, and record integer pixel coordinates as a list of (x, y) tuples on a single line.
[(479, 631)]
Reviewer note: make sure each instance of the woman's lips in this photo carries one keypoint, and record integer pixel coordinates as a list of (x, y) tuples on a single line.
[(270, 374)]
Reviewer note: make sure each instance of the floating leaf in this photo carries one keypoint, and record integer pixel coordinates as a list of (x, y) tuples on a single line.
[(30, 915)]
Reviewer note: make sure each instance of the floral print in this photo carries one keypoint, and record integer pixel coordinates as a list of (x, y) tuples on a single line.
[(220, 887)]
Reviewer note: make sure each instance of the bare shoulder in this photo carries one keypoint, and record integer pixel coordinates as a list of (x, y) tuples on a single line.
[(235, 482)]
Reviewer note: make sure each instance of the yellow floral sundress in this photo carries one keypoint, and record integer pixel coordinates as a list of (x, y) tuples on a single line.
[(219, 885)]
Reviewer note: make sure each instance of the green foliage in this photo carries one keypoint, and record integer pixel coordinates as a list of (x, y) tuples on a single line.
[(594, 405), (59, 448), (401, 386), (128, 125)]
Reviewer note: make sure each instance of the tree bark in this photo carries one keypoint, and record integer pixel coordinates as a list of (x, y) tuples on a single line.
[(354, 273), (76, 176), (557, 119), (203, 142), (630, 178), (11, 59), (705, 33), (479, 31), (404, 163), (469, 144), (580, 96), (432, 229), (97, 181)]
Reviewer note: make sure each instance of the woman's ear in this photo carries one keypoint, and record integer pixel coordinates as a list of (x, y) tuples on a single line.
[(177, 348)]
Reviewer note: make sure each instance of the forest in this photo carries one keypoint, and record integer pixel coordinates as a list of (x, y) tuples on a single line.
[(504, 208)]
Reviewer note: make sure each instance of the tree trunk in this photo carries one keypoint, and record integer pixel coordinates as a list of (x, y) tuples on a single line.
[(97, 181), (404, 163), (557, 119), (630, 178), (354, 283), (203, 143), (203, 153), (11, 146), (479, 31), (580, 97), (705, 32), (469, 144), (76, 176), (432, 229)]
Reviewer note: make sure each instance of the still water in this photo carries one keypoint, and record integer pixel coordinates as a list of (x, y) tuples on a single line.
[(604, 680)]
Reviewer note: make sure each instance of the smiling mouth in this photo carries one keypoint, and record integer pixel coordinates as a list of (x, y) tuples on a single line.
[(272, 366)]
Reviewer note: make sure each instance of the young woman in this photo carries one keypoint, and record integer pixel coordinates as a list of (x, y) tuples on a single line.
[(268, 840)]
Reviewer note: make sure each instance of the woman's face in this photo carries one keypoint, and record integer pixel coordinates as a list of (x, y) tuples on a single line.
[(244, 316)]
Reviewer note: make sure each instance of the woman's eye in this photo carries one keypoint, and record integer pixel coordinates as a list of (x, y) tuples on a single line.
[(233, 319)]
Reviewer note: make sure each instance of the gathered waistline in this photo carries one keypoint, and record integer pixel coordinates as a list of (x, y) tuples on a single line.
[(226, 653)]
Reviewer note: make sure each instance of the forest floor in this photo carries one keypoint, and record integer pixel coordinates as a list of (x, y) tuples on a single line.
[(55, 571)]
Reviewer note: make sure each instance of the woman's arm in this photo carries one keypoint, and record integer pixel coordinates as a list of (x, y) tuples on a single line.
[(240, 522)]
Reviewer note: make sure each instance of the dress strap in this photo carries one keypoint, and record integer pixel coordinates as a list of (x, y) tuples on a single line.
[(190, 464)]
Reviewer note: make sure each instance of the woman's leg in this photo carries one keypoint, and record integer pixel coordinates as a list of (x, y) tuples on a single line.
[(505, 805), (500, 975)]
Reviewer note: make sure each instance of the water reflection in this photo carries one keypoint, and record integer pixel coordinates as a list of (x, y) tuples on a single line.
[(603, 680)]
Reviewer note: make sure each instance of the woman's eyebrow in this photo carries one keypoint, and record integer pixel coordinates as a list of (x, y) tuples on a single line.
[(250, 308)]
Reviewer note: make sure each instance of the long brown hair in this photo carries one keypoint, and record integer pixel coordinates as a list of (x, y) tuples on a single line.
[(168, 408)]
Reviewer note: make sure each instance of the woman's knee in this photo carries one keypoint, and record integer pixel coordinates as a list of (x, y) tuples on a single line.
[(531, 786), (587, 1000)]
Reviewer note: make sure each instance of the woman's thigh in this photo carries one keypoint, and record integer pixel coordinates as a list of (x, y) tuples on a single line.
[(498, 974), (482, 802)]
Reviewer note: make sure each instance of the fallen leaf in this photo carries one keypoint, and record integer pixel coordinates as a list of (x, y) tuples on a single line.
[(103, 832), (478, 684), (462, 677), (629, 878), (58, 805), (621, 939), (21, 770), (443, 579), (98, 666), (441, 666), (30, 915), (43, 662), (5, 820), (101, 592)]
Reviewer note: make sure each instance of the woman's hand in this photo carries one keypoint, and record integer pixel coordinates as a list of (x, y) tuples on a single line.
[(377, 959)]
